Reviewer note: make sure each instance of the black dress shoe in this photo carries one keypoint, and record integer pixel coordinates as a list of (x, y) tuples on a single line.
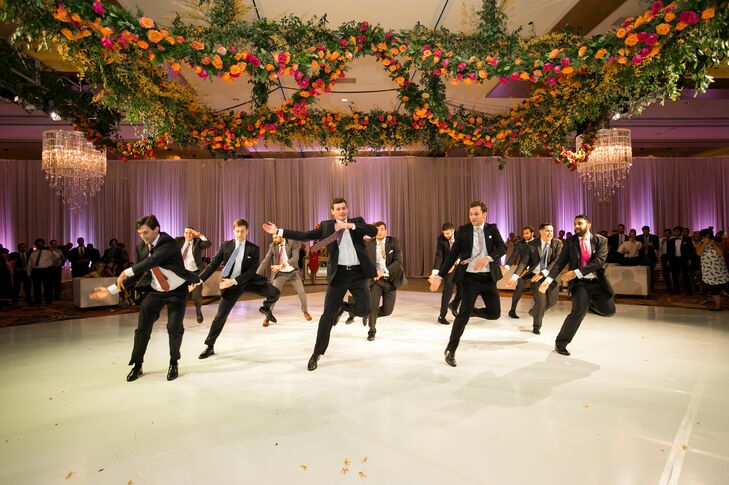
[(454, 310), (371, 337), (450, 358), (513, 314), (172, 372), (561, 350), (267, 311), (313, 362), (135, 373), (199, 317), (206, 353), (350, 320), (443, 321), (536, 331)]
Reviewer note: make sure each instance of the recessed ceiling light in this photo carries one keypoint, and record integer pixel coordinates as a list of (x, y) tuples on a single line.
[(344, 100)]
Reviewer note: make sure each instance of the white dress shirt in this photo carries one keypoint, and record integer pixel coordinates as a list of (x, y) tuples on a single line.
[(381, 258), (477, 252), (287, 268), (238, 259), (631, 248), (172, 279), (189, 261)]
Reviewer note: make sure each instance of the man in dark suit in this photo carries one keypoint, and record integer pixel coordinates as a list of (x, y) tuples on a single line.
[(384, 252), (160, 269), (647, 254), (680, 252), (479, 247), (240, 259), (443, 247), (585, 253), (282, 259), (348, 269), (191, 246), (541, 256), (615, 239), (520, 252), (94, 254), (21, 279), (80, 262)]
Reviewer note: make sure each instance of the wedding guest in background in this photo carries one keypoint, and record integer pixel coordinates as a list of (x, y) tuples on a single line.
[(21, 279), (520, 253), (40, 267), (630, 250), (80, 260), (714, 272)]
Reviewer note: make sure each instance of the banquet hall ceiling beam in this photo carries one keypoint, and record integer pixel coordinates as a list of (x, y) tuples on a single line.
[(585, 15)]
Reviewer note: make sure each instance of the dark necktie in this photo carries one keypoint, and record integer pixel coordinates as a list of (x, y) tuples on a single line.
[(37, 259), (335, 235)]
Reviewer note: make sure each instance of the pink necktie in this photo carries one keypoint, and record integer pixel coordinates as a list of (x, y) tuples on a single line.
[(584, 252)]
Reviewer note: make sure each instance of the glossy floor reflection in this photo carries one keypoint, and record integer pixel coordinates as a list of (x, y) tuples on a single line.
[(643, 399)]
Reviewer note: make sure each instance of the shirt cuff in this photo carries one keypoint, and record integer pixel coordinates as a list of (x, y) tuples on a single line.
[(113, 289), (434, 272), (129, 272), (578, 273), (507, 267), (280, 232), (545, 272), (202, 237), (548, 280), (514, 277)]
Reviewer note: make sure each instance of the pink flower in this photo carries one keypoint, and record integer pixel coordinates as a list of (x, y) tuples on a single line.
[(547, 67), (642, 36), (438, 52), (689, 17), (557, 69), (637, 59), (444, 63), (436, 72), (656, 7), (361, 39), (231, 48), (472, 76), (364, 26), (388, 36), (461, 66), (426, 47), (98, 7), (504, 80), (343, 43), (565, 61), (651, 40), (514, 76), (494, 62), (107, 42), (645, 51), (551, 81)]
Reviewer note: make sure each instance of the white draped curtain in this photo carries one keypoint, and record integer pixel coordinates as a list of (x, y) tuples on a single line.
[(413, 195)]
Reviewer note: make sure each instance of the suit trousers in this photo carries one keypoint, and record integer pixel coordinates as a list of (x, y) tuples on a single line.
[(680, 276), (280, 279), (57, 273), (228, 299), (666, 272), (149, 312), (42, 279), (587, 295), (448, 286), (21, 280), (352, 280), (383, 290), (196, 295), (518, 291), (475, 285), (543, 302)]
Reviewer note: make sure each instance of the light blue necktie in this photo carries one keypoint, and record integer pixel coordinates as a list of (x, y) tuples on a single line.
[(543, 262), (228, 268)]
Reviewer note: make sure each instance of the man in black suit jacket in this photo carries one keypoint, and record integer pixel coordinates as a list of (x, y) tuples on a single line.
[(20, 260), (191, 246), (240, 258), (541, 256), (80, 261), (348, 269), (520, 252), (384, 252), (615, 239), (680, 253), (479, 247), (443, 247), (159, 267), (585, 253), (647, 254)]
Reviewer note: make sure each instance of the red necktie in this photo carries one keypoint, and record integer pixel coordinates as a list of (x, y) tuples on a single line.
[(161, 278), (280, 253), (584, 252)]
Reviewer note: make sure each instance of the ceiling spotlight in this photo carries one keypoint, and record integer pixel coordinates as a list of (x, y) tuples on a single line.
[(344, 100), (55, 116)]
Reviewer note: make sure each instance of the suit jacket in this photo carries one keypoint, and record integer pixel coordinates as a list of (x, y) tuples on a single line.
[(19, 264), (93, 254), (393, 260), (533, 256), (326, 229), (442, 249), (292, 252), (165, 255), (645, 253), (198, 246), (520, 252), (248, 266), (687, 248), (463, 246), (595, 265)]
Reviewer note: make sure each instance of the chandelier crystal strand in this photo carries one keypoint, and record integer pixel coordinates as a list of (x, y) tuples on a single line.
[(608, 164), (74, 168)]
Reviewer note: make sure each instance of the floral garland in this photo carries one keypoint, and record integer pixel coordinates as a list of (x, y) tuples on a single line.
[(638, 54)]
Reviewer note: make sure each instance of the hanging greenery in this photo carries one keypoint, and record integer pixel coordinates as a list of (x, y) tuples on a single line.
[(577, 83)]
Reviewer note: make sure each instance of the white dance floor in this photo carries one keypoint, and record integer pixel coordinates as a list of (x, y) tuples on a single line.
[(643, 399)]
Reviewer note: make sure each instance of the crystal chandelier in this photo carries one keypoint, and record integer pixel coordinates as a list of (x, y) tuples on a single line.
[(74, 168), (609, 163)]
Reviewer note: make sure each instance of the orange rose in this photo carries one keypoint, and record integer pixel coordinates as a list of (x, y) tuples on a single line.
[(638, 22), (582, 51), (622, 60), (142, 44), (304, 94), (170, 40), (176, 67), (568, 70), (707, 14), (537, 73), (669, 17), (146, 22), (235, 70), (620, 33), (631, 40), (68, 34), (663, 29), (106, 31), (525, 75), (197, 45), (217, 62), (62, 15), (600, 53), (76, 18), (154, 36), (482, 74), (554, 53), (681, 26)]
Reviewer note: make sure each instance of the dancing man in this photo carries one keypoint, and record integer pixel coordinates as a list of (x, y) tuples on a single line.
[(191, 245)]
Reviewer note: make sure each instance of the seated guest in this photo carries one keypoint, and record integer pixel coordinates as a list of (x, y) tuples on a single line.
[(630, 250), (100, 270)]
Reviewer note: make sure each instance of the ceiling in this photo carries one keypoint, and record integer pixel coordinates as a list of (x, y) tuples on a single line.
[(687, 127)]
